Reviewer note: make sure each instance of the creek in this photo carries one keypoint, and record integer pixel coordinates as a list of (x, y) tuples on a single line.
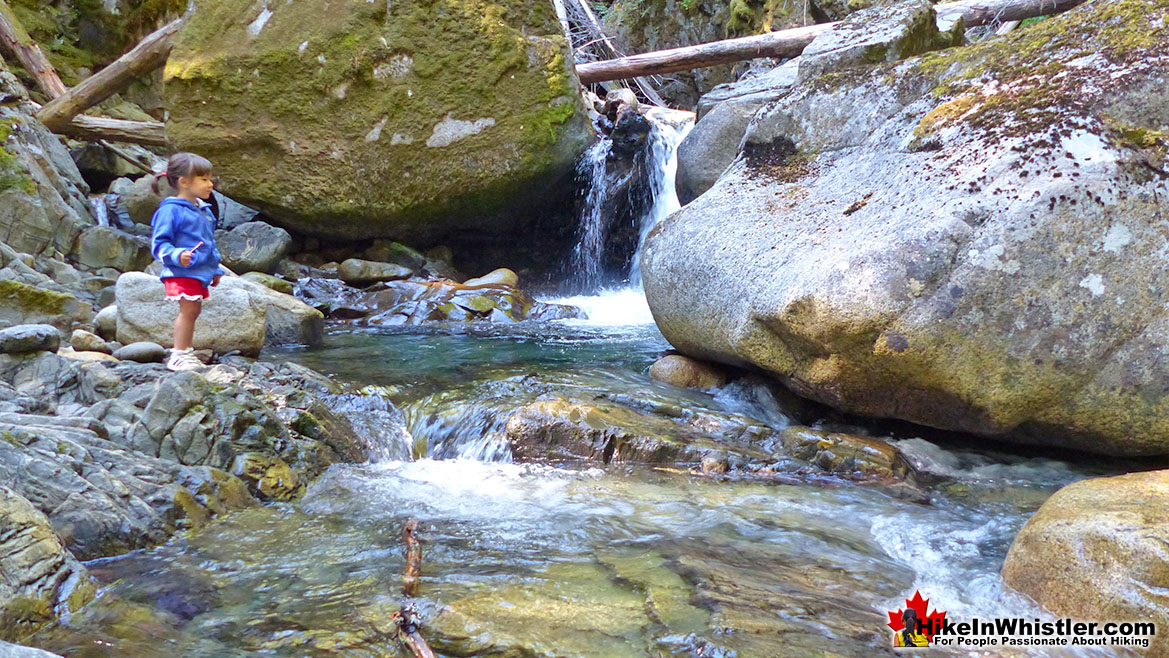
[(572, 559)]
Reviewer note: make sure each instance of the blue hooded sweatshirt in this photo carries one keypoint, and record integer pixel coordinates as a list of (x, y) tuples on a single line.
[(180, 225)]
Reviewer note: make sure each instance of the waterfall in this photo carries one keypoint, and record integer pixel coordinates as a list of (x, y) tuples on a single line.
[(622, 201), (586, 257), (100, 209), (663, 159)]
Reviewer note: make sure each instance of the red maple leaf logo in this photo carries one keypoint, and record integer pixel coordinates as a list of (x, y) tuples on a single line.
[(931, 622)]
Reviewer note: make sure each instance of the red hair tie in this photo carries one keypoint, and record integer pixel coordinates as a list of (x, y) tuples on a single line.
[(160, 174)]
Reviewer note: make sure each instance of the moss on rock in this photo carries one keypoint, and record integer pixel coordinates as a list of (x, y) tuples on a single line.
[(379, 119)]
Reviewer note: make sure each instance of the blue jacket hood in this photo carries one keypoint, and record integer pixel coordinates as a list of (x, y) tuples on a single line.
[(180, 225)]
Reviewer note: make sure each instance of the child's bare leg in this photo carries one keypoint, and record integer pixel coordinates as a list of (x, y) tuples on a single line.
[(185, 323)]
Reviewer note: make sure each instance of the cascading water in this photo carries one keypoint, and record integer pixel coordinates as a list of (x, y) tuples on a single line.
[(586, 257), (620, 195), (100, 209)]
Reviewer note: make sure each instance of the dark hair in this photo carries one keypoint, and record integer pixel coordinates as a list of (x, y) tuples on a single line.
[(180, 165)]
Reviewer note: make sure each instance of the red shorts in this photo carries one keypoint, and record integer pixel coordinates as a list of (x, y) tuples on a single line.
[(184, 287)]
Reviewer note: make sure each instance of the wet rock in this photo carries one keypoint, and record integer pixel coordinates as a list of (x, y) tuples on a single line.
[(630, 133), (42, 580), (877, 34), (253, 247), (570, 430), (522, 129), (84, 341), (24, 304), (497, 277), (357, 272), (142, 352), (102, 499), (422, 302), (106, 322), (231, 319), (848, 455), (685, 372), (387, 251), (884, 253), (269, 281), (106, 246), (29, 338), (1096, 550)]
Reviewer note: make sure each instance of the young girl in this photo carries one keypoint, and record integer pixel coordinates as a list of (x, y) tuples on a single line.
[(184, 240)]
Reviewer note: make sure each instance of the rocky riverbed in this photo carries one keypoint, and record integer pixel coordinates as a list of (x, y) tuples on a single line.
[(904, 336)]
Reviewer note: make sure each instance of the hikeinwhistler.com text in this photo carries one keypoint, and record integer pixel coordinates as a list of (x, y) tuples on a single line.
[(1015, 631)]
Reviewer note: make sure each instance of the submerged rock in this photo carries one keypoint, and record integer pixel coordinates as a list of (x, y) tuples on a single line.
[(415, 303), (415, 120), (1096, 550), (686, 372), (953, 240)]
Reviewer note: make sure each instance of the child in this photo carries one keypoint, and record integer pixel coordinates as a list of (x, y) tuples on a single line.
[(184, 240)]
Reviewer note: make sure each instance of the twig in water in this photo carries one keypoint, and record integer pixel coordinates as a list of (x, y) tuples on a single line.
[(404, 618), (413, 558)]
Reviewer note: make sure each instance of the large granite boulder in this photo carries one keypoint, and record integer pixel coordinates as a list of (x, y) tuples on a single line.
[(952, 240), (1096, 550), (41, 579), (231, 319), (391, 119)]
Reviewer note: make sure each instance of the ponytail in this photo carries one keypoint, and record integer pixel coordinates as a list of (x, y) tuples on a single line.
[(178, 166)]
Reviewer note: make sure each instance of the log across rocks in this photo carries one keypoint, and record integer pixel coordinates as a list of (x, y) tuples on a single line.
[(791, 42)]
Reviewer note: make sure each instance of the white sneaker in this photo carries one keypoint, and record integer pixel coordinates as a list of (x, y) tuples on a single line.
[(183, 360)]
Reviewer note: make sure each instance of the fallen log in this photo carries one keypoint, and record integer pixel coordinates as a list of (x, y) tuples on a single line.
[(790, 43), (146, 133), (17, 42), (148, 55)]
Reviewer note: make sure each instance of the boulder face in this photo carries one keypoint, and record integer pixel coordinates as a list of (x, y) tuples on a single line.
[(1096, 550), (379, 119), (971, 240)]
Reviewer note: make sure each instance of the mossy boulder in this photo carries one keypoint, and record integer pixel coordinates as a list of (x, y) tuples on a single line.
[(971, 240), (407, 120), (1096, 550), (21, 303)]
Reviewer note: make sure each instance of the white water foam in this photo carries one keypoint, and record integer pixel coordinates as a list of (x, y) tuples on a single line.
[(611, 308)]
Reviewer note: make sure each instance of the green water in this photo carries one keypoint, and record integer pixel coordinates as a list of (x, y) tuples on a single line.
[(571, 560)]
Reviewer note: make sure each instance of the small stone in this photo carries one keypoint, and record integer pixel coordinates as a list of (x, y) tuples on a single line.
[(685, 372), (269, 281), (385, 251), (70, 353), (501, 276), (30, 338), (84, 341), (106, 322), (713, 466), (142, 352), (355, 271)]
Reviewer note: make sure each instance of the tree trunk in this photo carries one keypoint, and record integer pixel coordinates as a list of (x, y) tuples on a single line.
[(148, 55), (790, 43), (147, 133), (17, 42)]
